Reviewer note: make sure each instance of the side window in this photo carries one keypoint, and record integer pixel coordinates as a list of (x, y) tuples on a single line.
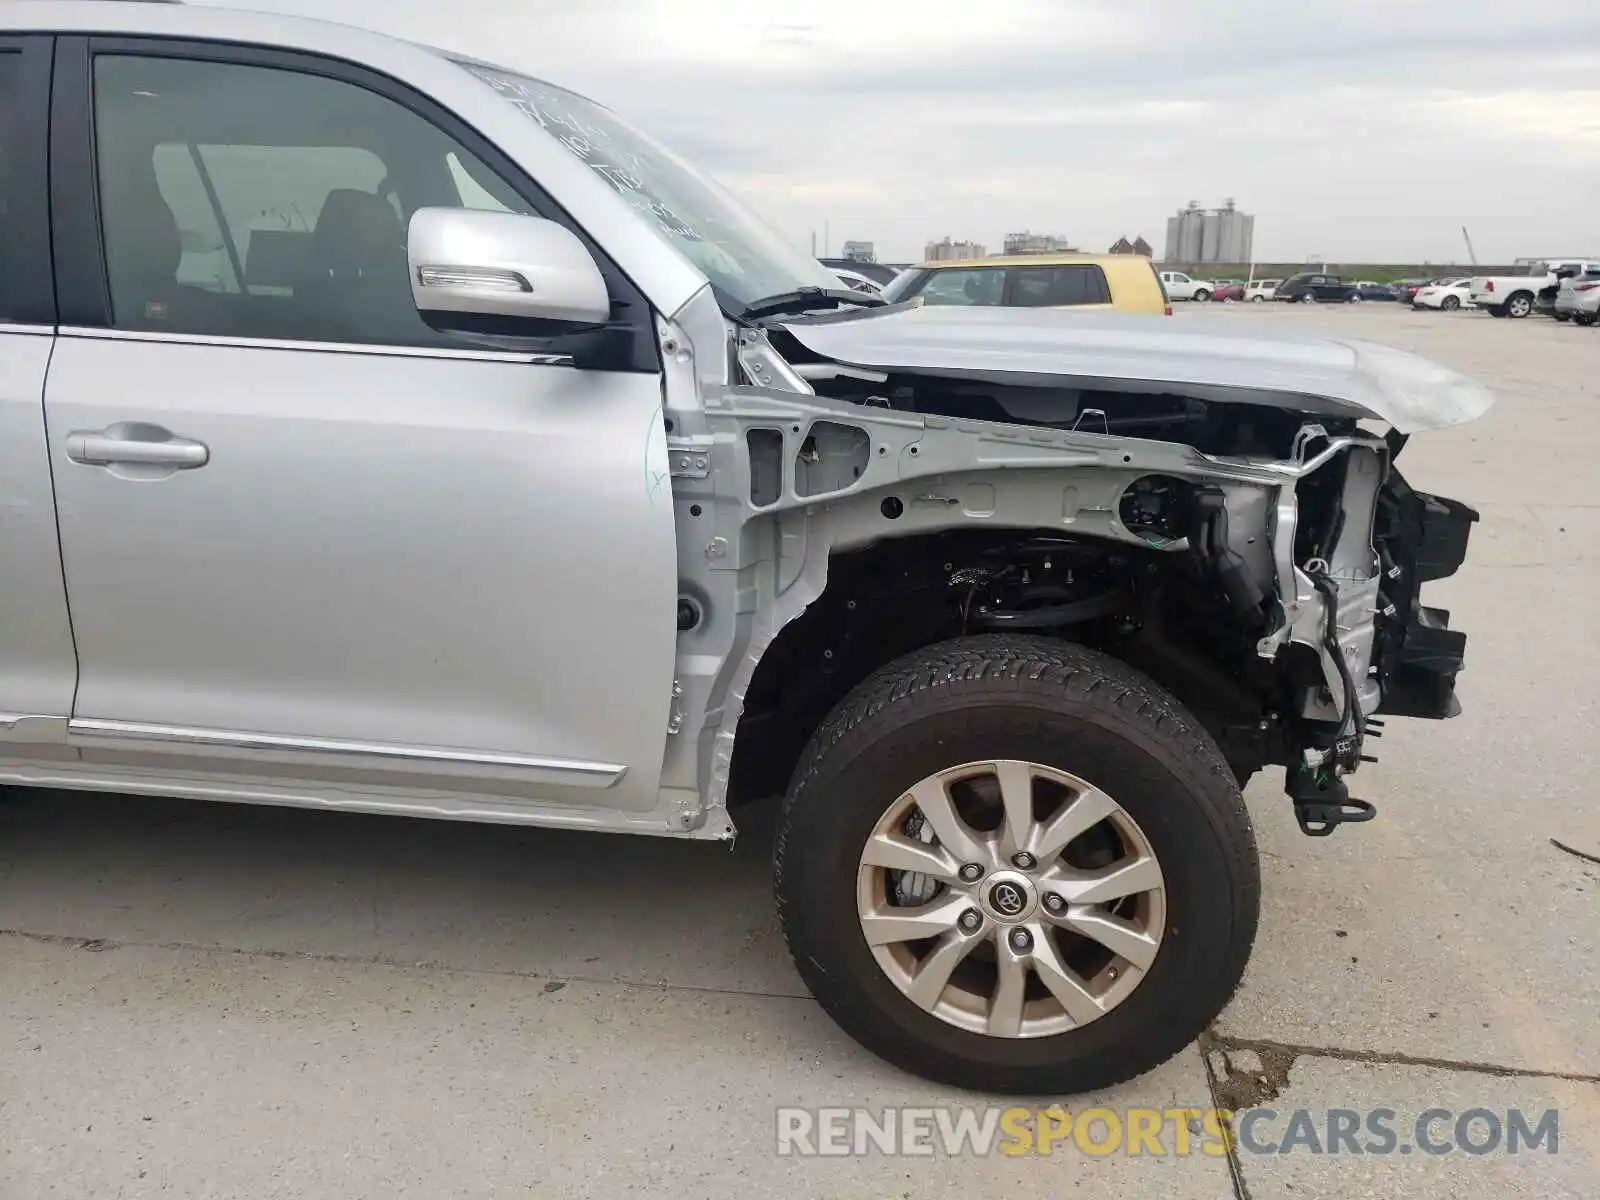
[(1032, 287), (10, 67), (1058, 287), (264, 203), (982, 286), (1083, 285)]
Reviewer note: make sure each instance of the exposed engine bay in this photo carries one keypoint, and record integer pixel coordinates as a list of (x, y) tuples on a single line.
[(1262, 561)]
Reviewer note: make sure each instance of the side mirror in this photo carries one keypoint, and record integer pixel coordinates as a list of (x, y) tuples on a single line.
[(474, 264)]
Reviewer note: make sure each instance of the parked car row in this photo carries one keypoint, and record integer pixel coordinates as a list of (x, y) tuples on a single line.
[(1534, 290), (1563, 290)]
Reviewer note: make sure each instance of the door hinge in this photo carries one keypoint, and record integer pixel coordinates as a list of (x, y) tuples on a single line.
[(675, 712), (689, 458)]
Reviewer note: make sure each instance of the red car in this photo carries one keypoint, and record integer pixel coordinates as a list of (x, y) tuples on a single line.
[(1228, 291)]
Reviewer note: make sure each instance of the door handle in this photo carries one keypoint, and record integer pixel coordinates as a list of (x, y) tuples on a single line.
[(143, 445)]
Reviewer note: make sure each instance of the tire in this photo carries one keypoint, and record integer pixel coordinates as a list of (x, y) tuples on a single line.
[(1519, 306), (1584, 319), (1308, 298), (1201, 296), (1067, 709), (1258, 298), (1450, 303)]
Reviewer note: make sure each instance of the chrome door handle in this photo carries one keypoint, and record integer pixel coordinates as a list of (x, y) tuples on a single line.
[(145, 445)]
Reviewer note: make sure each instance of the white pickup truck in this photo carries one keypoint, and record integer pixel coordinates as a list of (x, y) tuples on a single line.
[(1181, 287), (1517, 295)]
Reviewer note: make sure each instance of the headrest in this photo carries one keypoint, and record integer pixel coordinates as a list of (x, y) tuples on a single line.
[(141, 230), (356, 229)]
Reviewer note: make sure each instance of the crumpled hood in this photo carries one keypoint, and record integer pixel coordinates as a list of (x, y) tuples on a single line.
[(1206, 358)]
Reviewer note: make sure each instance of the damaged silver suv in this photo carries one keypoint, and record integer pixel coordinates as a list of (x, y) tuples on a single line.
[(389, 432)]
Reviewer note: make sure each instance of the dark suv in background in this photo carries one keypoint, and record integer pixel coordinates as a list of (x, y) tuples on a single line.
[(1308, 287)]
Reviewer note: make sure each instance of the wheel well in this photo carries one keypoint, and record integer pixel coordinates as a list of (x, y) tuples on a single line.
[(1150, 609)]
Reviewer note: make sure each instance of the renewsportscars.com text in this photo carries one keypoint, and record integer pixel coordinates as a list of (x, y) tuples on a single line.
[(1162, 1132)]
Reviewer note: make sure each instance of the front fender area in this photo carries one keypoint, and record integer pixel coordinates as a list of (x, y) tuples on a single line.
[(774, 486)]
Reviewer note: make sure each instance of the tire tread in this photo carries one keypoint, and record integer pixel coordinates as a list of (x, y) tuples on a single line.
[(992, 666)]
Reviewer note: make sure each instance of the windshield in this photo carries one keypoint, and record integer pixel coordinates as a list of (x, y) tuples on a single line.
[(743, 257), (903, 284)]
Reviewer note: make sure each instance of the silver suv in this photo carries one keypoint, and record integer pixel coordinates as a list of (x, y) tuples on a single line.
[(390, 432)]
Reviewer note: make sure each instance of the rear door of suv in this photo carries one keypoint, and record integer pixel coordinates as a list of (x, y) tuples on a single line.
[(38, 669)]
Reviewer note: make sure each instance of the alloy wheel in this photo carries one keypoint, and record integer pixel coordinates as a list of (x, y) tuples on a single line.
[(1011, 899)]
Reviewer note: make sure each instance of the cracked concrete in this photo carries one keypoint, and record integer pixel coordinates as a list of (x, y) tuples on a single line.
[(205, 1000)]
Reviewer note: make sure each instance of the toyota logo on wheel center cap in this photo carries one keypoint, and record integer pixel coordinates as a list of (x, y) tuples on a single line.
[(1008, 899)]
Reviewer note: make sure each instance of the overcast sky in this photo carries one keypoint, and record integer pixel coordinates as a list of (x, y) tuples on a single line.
[(1356, 130)]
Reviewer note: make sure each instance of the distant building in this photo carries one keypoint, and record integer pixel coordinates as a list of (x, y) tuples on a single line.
[(1138, 246), (946, 250), (859, 252), (1217, 235), (1037, 243)]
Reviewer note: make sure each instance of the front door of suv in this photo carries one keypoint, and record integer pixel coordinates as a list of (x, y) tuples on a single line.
[(311, 546)]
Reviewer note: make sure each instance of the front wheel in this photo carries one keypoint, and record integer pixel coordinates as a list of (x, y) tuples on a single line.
[(1017, 865), (1258, 299), (1201, 296)]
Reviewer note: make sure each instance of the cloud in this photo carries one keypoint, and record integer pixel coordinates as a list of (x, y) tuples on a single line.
[(1353, 129)]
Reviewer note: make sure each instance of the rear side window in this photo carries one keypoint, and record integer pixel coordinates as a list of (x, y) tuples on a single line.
[(1058, 287)]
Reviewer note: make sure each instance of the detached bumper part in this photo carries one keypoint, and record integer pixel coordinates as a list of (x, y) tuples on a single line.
[(1424, 537), (1423, 682)]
